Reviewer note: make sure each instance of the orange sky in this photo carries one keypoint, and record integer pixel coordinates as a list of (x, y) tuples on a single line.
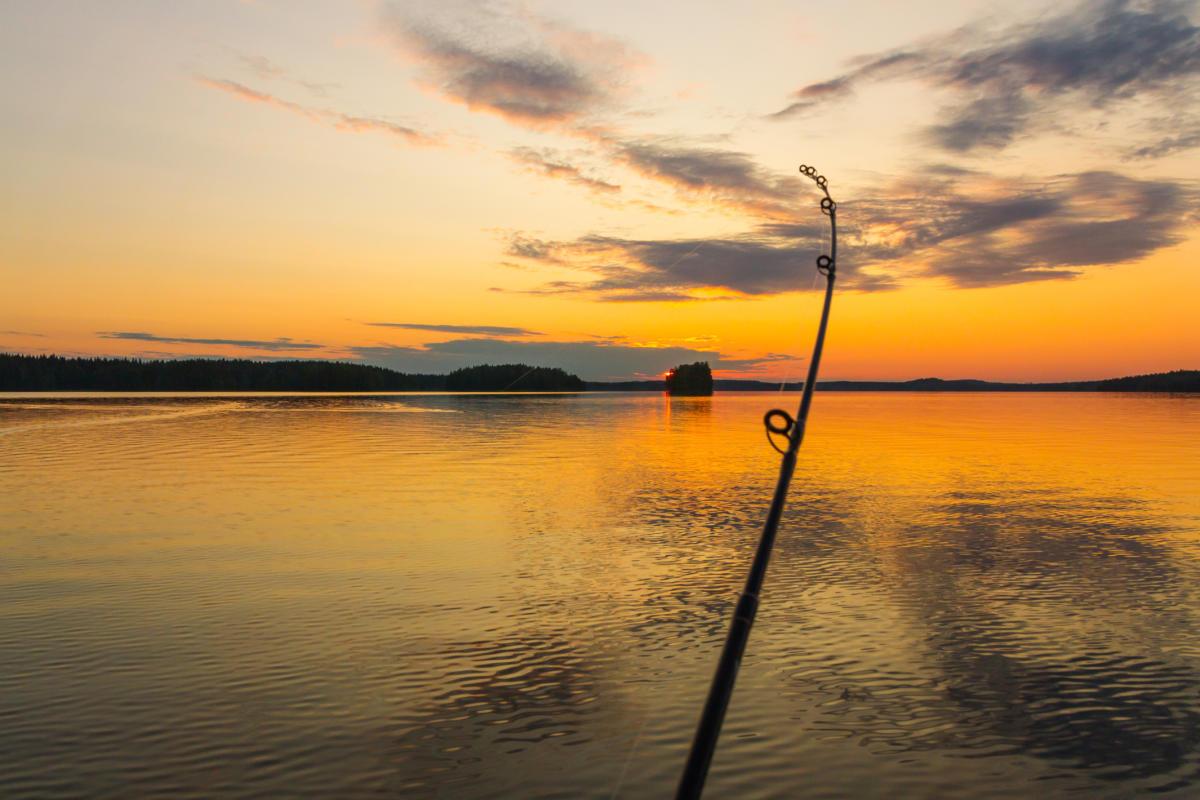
[(611, 188)]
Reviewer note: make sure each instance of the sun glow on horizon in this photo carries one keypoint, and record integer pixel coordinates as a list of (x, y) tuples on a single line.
[(623, 200)]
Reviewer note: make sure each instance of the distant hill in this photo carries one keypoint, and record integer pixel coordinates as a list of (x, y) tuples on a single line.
[(56, 373), (1177, 381)]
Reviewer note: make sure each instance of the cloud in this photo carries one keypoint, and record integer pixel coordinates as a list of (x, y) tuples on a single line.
[(282, 343), (353, 124), (265, 69), (972, 233), (725, 177), (340, 121), (970, 229), (1095, 56), (243, 92), (483, 330), (772, 260), (1184, 138), (163, 355), (23, 333), (991, 122), (545, 162), (591, 360), (261, 66), (503, 59), (815, 94)]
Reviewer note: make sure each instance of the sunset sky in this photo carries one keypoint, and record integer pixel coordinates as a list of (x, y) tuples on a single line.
[(607, 187)]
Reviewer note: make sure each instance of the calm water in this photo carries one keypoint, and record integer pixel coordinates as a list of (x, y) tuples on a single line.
[(523, 596)]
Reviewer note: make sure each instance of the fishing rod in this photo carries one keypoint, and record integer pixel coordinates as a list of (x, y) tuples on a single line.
[(778, 423)]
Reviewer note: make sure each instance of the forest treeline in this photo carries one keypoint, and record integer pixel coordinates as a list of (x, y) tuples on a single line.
[(23, 373), (58, 373)]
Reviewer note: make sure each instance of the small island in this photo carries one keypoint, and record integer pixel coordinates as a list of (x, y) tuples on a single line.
[(690, 380), (512, 378)]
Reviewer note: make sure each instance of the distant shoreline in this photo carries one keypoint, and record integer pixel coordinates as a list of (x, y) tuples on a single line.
[(1184, 381), (23, 373)]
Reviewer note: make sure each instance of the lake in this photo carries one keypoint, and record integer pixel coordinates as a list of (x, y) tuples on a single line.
[(478, 596)]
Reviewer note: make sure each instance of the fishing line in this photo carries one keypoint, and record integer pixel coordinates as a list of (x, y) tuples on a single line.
[(629, 758), (786, 375), (521, 378)]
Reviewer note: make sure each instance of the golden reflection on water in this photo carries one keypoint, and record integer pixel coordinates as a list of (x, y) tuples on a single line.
[(503, 595)]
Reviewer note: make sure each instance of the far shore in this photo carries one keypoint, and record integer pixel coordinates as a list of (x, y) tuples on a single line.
[(26, 373)]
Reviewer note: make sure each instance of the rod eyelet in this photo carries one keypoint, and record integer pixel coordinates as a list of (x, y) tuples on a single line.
[(784, 424)]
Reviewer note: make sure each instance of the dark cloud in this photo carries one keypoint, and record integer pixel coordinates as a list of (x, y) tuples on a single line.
[(1094, 56), (23, 333), (1185, 139), (775, 259), (990, 122), (523, 246), (547, 163), (281, 343), (505, 60), (816, 94), (1032, 232), (340, 121), (724, 176), (591, 360), (483, 330), (968, 228)]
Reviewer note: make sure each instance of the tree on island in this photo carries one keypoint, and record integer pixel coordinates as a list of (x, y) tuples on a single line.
[(691, 380), (512, 378)]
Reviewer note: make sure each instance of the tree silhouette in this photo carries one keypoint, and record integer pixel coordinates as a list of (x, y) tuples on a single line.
[(690, 380)]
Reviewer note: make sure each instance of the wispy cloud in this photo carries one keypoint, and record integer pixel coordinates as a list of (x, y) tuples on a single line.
[(163, 355), (482, 330), (1178, 137), (503, 59), (340, 121), (1022, 79), (546, 162), (265, 69), (816, 94), (725, 177), (261, 66), (282, 343)]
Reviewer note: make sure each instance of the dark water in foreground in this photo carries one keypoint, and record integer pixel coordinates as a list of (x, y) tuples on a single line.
[(522, 596)]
